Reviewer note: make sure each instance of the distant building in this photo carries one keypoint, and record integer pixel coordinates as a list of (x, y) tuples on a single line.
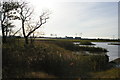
[(68, 37), (77, 37)]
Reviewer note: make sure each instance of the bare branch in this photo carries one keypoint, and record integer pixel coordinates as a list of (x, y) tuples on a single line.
[(29, 14), (27, 10), (16, 32), (43, 20), (33, 30)]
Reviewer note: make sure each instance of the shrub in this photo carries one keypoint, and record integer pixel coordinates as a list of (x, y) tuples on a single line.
[(86, 43)]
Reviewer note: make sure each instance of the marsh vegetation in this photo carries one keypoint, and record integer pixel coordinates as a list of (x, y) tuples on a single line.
[(50, 59), (25, 56)]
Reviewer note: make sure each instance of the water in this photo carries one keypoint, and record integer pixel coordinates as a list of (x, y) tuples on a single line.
[(113, 49)]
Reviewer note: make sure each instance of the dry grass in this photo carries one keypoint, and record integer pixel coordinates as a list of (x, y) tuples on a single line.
[(111, 73)]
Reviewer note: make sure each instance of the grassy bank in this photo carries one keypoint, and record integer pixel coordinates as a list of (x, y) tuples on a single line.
[(48, 58), (86, 43), (80, 40), (111, 73), (68, 45)]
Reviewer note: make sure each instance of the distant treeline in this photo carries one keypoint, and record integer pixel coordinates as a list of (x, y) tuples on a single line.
[(78, 38)]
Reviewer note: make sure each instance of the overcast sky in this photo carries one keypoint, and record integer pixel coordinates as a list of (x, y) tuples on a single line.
[(93, 19)]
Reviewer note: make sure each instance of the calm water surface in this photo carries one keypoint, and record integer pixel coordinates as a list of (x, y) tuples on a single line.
[(113, 49)]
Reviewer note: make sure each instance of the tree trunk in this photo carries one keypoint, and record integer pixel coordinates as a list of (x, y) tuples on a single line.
[(26, 40), (3, 35), (23, 29)]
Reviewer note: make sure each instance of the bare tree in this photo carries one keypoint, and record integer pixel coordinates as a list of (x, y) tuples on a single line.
[(25, 15), (42, 20), (8, 28), (6, 7)]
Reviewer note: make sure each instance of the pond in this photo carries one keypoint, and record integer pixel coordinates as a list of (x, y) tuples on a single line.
[(113, 49)]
